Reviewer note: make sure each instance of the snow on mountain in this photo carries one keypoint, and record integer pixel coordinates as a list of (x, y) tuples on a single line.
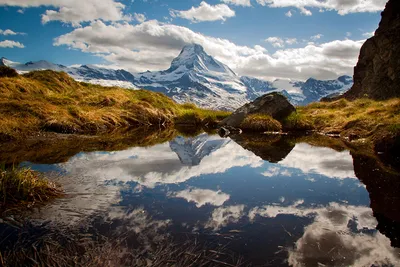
[(192, 150), (194, 76)]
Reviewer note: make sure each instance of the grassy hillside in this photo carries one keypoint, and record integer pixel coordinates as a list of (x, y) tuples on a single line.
[(353, 119), (53, 101)]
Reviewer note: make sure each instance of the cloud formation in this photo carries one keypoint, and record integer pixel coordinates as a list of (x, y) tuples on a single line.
[(74, 11), (139, 17), (202, 196), (205, 12), (152, 46), (10, 32), (344, 235), (238, 2), (223, 216), (342, 7), (320, 160), (10, 44)]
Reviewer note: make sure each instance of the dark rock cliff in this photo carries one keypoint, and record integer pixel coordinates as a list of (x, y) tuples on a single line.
[(377, 73)]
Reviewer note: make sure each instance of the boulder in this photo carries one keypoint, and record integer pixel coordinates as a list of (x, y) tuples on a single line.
[(273, 104), (377, 73)]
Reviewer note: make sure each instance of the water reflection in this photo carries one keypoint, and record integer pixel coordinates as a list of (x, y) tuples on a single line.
[(272, 200)]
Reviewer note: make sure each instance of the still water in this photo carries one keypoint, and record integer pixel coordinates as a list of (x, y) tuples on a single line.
[(276, 203)]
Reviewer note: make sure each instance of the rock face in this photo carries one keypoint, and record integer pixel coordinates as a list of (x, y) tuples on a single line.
[(377, 74), (273, 104)]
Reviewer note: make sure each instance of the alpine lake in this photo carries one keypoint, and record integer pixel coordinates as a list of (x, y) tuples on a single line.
[(258, 200)]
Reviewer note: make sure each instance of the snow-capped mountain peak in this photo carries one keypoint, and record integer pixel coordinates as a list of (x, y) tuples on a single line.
[(193, 57)]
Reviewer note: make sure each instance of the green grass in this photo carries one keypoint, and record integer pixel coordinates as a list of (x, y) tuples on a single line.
[(362, 117), (260, 123), (22, 185), (297, 122), (54, 102)]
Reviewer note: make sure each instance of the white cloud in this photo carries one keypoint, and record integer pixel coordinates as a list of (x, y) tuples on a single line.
[(348, 34), (291, 41), (10, 32), (202, 196), (279, 42), (74, 11), (320, 160), (289, 14), (275, 41), (152, 46), (275, 171), (10, 44), (338, 244), (223, 216), (343, 7), (205, 12), (316, 37), (368, 34), (139, 17), (237, 2)]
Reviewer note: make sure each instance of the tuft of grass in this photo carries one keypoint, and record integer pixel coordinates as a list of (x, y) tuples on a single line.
[(189, 114), (23, 185), (297, 122), (260, 122), (54, 102)]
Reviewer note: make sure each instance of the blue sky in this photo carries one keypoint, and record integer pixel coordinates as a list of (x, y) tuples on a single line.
[(262, 38)]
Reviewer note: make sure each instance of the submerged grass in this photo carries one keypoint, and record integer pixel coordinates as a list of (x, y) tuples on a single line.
[(54, 102), (25, 186)]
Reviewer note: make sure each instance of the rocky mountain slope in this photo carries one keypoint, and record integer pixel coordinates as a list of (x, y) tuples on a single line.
[(194, 76), (377, 73)]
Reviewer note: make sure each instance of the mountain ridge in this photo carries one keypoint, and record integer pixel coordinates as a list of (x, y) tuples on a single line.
[(194, 76)]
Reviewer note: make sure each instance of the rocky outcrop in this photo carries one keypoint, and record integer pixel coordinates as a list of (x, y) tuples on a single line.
[(272, 104), (377, 73)]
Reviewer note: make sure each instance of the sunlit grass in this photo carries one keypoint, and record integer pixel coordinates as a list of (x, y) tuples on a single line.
[(23, 185), (53, 101), (260, 122), (363, 115)]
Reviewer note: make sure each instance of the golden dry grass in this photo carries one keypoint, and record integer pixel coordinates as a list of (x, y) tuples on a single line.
[(52, 101), (260, 123), (362, 117)]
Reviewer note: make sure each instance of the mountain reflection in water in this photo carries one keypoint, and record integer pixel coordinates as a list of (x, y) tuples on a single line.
[(273, 199)]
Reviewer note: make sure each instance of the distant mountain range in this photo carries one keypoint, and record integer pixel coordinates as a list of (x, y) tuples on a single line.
[(194, 76)]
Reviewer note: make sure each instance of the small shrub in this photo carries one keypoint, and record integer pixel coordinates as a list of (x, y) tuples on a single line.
[(260, 122), (7, 72)]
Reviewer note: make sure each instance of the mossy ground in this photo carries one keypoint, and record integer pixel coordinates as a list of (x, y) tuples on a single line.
[(54, 102)]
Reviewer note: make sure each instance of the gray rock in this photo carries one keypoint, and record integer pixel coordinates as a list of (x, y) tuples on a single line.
[(273, 104)]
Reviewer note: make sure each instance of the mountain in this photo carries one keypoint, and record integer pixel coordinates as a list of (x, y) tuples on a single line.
[(194, 76), (192, 150)]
